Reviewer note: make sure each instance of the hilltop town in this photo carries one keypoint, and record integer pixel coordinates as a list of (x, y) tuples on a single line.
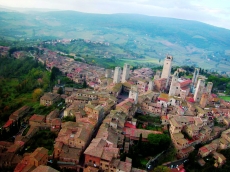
[(108, 119)]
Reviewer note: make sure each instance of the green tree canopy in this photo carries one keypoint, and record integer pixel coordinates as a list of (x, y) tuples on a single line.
[(161, 168), (159, 139)]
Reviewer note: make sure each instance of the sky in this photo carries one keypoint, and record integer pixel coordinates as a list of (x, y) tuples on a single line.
[(214, 12)]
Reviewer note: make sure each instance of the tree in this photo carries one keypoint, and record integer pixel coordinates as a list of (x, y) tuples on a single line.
[(54, 72), (84, 84), (37, 93), (161, 168), (161, 140), (60, 90), (139, 144)]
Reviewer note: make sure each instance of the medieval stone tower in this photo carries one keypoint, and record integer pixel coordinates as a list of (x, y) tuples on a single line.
[(108, 73), (166, 72), (117, 75), (174, 84), (157, 75), (199, 90), (194, 78), (209, 88), (204, 100), (125, 74), (150, 86), (133, 93)]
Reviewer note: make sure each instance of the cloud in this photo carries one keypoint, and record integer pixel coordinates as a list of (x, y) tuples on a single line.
[(208, 11)]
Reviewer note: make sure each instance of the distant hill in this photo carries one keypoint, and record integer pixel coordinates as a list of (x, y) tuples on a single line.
[(190, 42)]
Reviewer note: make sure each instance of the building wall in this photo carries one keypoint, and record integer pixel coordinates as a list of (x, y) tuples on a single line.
[(133, 94), (160, 84), (150, 86), (92, 160), (204, 100), (166, 72), (174, 87), (209, 87), (117, 75), (108, 73), (126, 71), (199, 90), (195, 76)]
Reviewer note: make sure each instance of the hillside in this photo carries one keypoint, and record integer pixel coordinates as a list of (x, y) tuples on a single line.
[(128, 35)]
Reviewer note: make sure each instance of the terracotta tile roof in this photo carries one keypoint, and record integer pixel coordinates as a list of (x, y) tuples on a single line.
[(56, 121), (124, 166), (19, 112), (185, 83), (190, 99), (106, 155), (136, 132), (37, 118), (43, 168), (39, 153), (50, 96), (115, 162), (58, 145), (188, 149), (53, 114), (129, 125), (5, 144), (8, 123), (70, 153)]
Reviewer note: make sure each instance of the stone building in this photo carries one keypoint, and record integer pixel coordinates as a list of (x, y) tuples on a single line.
[(117, 75), (166, 72), (125, 74)]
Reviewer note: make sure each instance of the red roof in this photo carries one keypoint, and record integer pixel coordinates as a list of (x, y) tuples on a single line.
[(204, 149), (129, 125), (214, 95), (78, 70), (8, 123), (37, 118), (191, 100), (163, 99), (185, 83)]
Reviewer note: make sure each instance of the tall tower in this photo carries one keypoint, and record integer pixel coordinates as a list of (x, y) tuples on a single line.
[(174, 85), (133, 93), (150, 86), (108, 73), (195, 76), (204, 100), (126, 71), (157, 75), (209, 88), (166, 72), (199, 90), (117, 75)]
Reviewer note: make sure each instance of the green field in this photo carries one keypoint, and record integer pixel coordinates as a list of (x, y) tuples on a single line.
[(136, 39), (226, 98)]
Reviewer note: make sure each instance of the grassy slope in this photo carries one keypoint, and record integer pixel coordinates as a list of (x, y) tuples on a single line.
[(151, 37)]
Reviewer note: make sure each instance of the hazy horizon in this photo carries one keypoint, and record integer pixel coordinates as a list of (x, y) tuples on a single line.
[(206, 11)]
